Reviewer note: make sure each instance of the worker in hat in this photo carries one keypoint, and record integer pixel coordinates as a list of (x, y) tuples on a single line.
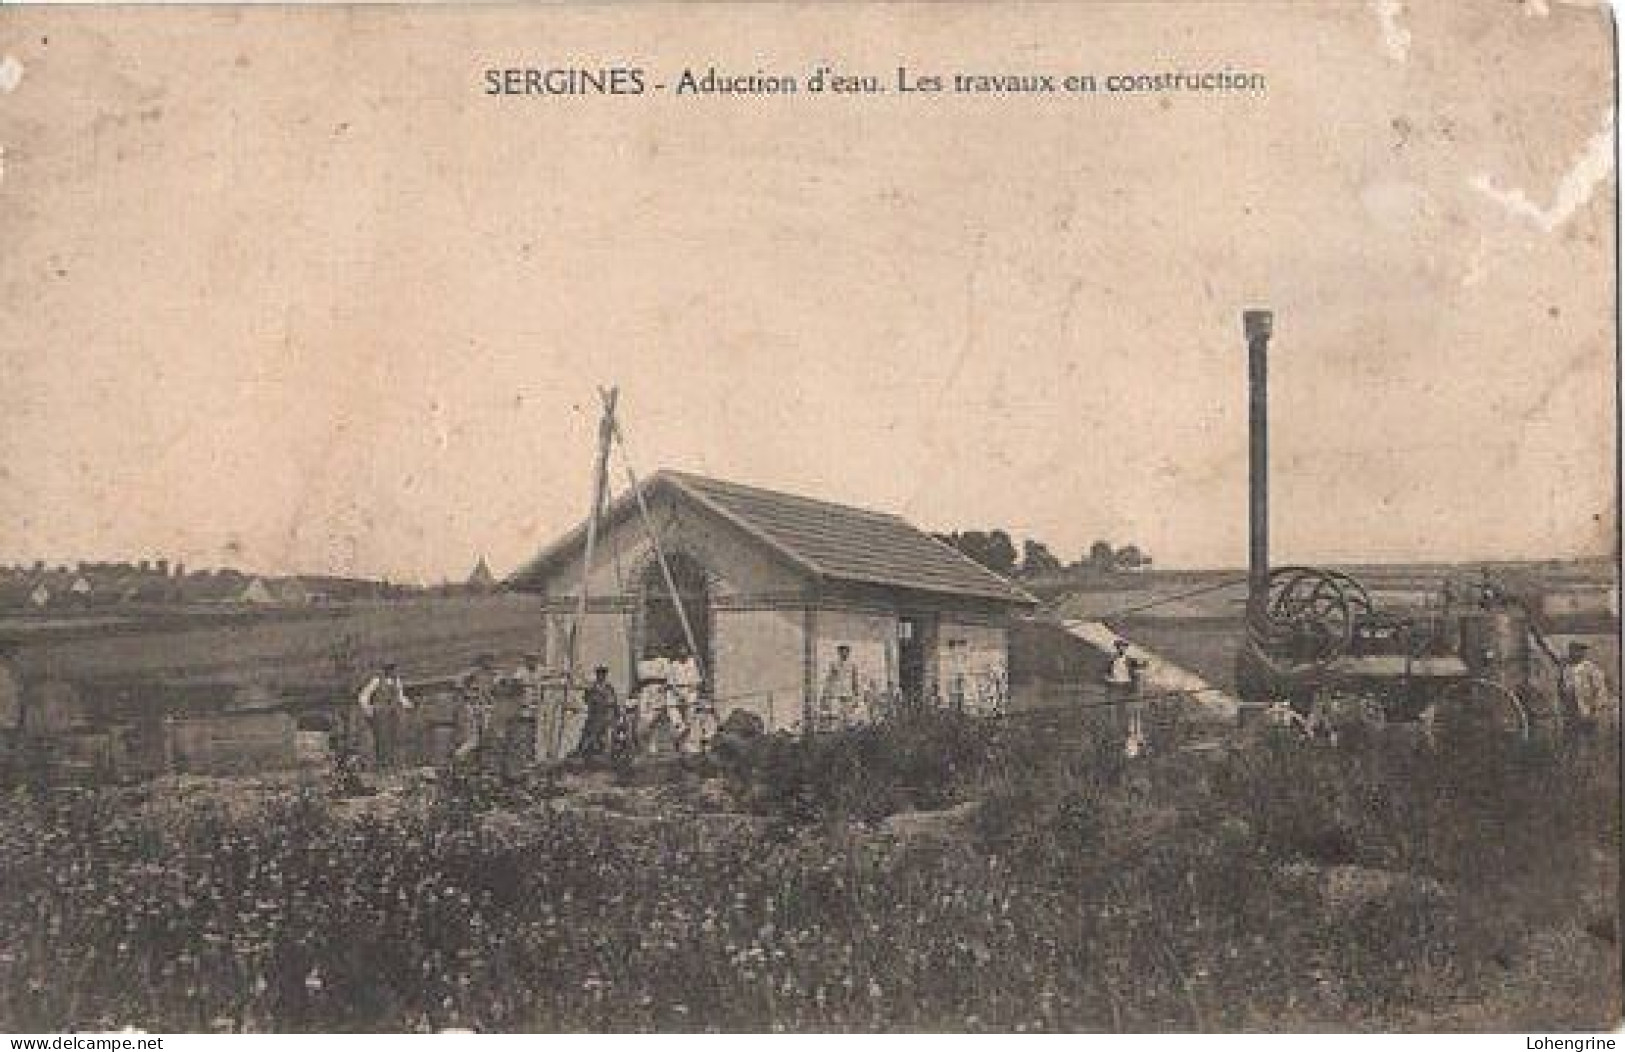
[(1123, 676), (384, 703), (685, 677), (1584, 689), (479, 734), (956, 672), (626, 737), (603, 705), (838, 699), (702, 729)]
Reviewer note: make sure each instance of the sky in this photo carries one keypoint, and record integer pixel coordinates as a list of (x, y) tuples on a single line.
[(284, 290)]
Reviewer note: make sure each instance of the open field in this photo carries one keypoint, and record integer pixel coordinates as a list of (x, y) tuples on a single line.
[(946, 874), (288, 648), (99, 696)]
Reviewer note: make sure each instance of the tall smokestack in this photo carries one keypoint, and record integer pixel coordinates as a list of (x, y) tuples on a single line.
[(1259, 326)]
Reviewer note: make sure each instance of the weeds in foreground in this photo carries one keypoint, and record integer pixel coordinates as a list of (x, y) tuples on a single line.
[(1281, 887)]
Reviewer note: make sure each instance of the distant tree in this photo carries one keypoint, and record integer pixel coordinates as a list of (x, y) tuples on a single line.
[(1101, 555), (974, 543), (1001, 552), (1037, 560), (992, 548), (1130, 557)]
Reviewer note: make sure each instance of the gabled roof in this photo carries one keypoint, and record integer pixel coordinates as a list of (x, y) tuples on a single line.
[(255, 591), (833, 542), (482, 577)]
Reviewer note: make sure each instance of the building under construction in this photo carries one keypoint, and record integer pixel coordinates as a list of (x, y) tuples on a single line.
[(770, 586)]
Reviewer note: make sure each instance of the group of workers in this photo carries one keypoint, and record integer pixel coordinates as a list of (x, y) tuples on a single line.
[(667, 712), (496, 716), (493, 715)]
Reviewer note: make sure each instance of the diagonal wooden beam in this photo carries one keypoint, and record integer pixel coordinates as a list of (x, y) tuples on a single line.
[(654, 540)]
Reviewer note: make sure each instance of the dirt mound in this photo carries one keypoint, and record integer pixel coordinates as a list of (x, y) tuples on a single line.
[(1343, 889), (948, 824)]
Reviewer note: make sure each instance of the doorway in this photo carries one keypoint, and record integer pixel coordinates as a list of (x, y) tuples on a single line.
[(916, 639), (662, 633)]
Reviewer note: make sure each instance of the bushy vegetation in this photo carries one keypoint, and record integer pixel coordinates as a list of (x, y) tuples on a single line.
[(920, 760), (1280, 886)]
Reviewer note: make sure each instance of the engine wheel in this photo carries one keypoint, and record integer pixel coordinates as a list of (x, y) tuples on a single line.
[(1308, 618), (1473, 708)]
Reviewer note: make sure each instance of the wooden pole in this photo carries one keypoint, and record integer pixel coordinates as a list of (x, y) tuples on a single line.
[(654, 539), (600, 478), (620, 590)]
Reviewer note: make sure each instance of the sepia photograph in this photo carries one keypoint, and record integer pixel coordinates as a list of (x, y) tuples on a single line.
[(780, 518)]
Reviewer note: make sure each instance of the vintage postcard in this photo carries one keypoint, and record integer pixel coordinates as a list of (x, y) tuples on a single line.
[(780, 517)]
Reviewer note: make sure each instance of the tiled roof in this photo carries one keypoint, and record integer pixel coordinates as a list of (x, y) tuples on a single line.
[(832, 541)]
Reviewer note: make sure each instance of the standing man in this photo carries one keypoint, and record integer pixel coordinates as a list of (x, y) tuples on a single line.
[(685, 677), (1123, 692), (998, 690), (648, 696), (702, 731), (958, 662), (686, 683), (383, 704), (627, 736), (1584, 688), (478, 734), (840, 692), (536, 705), (602, 708)]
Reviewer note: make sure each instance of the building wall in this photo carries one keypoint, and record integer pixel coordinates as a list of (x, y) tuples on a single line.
[(756, 602), (759, 656), (602, 641), (1587, 601), (760, 659), (744, 571)]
